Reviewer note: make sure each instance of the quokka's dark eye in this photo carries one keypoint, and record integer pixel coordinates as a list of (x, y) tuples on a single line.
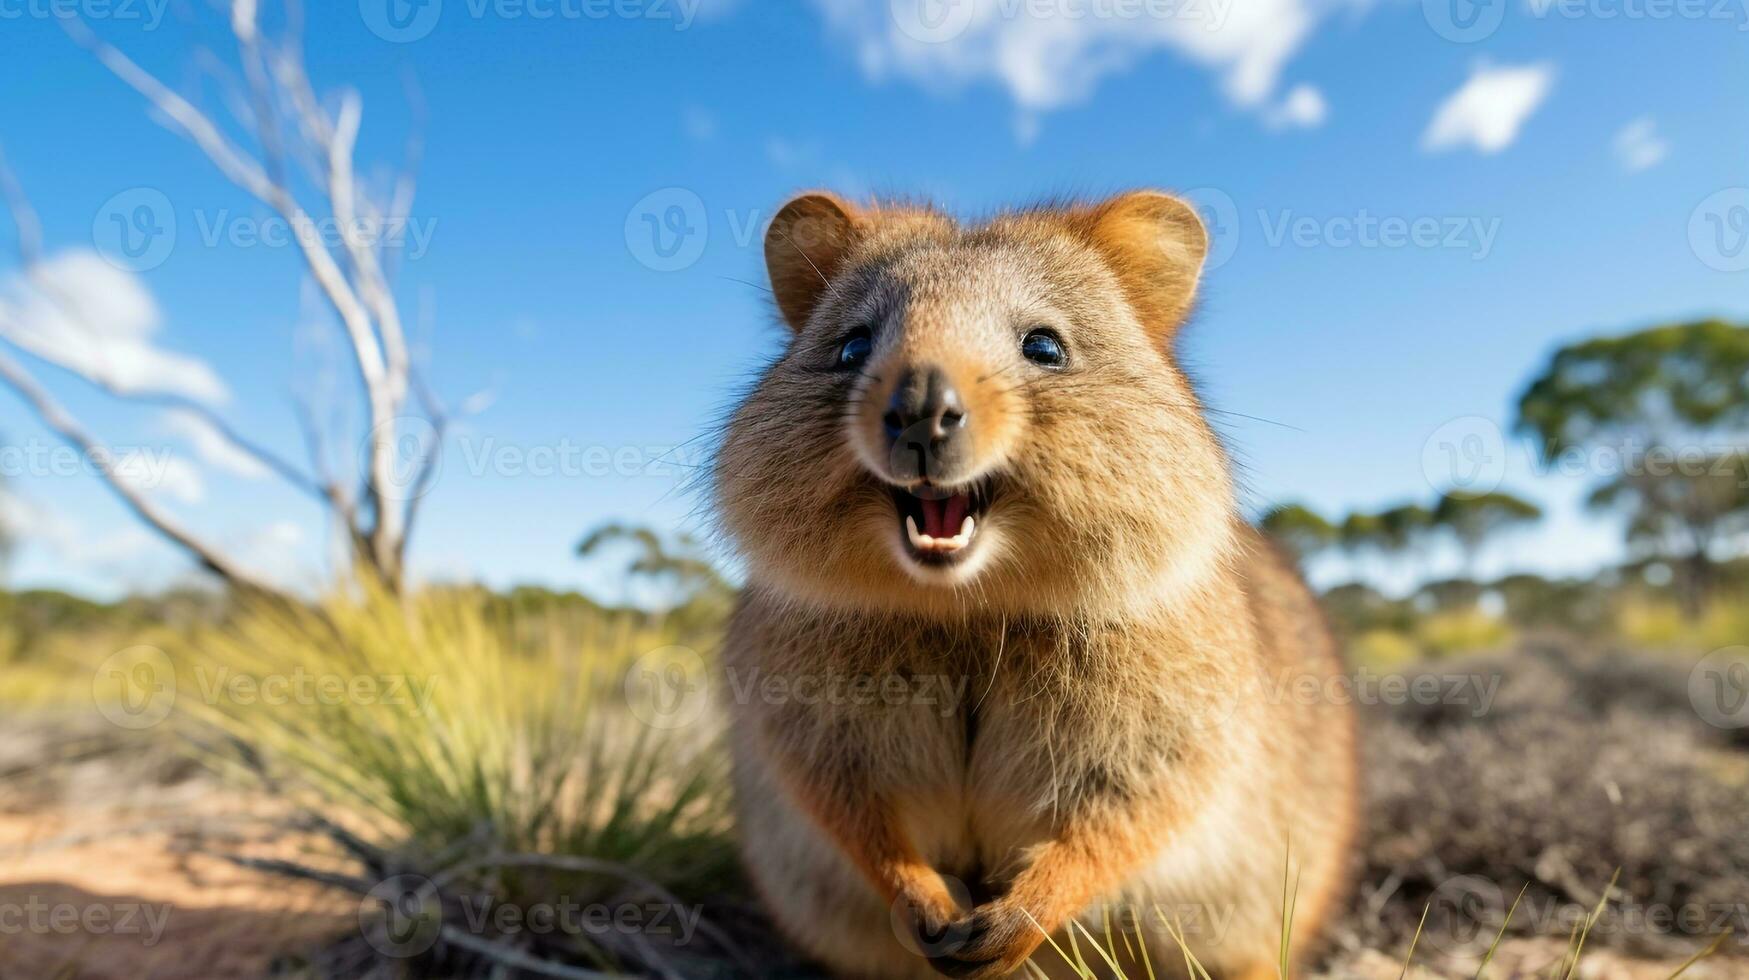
[(855, 349), (1043, 347)]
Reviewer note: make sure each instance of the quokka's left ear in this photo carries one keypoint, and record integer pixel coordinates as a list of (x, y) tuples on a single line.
[(1156, 244)]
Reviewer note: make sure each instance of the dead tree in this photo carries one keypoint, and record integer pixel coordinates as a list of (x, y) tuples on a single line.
[(297, 159)]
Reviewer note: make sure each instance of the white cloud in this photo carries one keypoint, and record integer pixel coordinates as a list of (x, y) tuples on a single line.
[(95, 319), (275, 554), (34, 523), (1639, 147), (1303, 107), (1052, 53), (1487, 111), (158, 472), (211, 446)]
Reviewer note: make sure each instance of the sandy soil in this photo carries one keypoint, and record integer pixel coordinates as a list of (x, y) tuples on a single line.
[(108, 868), (109, 871)]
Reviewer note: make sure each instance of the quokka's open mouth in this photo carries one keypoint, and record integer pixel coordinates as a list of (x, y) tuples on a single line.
[(939, 525)]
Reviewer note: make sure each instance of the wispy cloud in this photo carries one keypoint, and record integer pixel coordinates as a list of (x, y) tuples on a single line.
[(1052, 53), (35, 524), (1639, 147), (1488, 110), (97, 320), (211, 446), (1302, 108)]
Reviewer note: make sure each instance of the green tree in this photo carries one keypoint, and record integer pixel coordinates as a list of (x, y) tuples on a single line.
[(1359, 536), (1403, 531), (1303, 532), (1476, 519), (699, 592), (1662, 414)]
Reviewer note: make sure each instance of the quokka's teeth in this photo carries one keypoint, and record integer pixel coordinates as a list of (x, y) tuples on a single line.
[(923, 542)]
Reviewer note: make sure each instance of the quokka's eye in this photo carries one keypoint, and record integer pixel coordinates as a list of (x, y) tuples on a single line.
[(1043, 347), (855, 349)]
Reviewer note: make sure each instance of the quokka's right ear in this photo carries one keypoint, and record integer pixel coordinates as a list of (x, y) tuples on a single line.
[(804, 247)]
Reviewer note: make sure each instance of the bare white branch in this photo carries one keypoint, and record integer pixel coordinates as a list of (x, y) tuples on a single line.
[(290, 123), (63, 424)]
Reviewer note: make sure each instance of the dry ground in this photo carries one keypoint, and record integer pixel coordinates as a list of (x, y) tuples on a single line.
[(1580, 766)]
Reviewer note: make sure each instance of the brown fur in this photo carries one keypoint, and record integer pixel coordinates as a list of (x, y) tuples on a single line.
[(1121, 650)]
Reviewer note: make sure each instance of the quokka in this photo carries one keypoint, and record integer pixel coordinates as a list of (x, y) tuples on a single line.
[(977, 458)]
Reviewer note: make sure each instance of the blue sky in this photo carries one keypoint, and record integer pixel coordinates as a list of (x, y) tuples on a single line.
[(1566, 172)]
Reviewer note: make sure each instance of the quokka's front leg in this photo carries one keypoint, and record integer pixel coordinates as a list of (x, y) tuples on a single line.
[(847, 804), (1089, 855)]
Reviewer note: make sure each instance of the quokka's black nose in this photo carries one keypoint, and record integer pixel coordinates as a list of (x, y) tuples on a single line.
[(925, 422)]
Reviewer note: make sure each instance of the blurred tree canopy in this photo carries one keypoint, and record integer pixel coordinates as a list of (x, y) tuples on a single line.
[(1660, 417), (699, 592), (1474, 519), (1302, 531)]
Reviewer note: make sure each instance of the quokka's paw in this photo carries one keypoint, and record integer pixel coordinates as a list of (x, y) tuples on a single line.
[(930, 928), (997, 939)]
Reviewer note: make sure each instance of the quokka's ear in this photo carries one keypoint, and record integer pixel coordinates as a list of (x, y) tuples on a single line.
[(804, 247), (1156, 244)]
